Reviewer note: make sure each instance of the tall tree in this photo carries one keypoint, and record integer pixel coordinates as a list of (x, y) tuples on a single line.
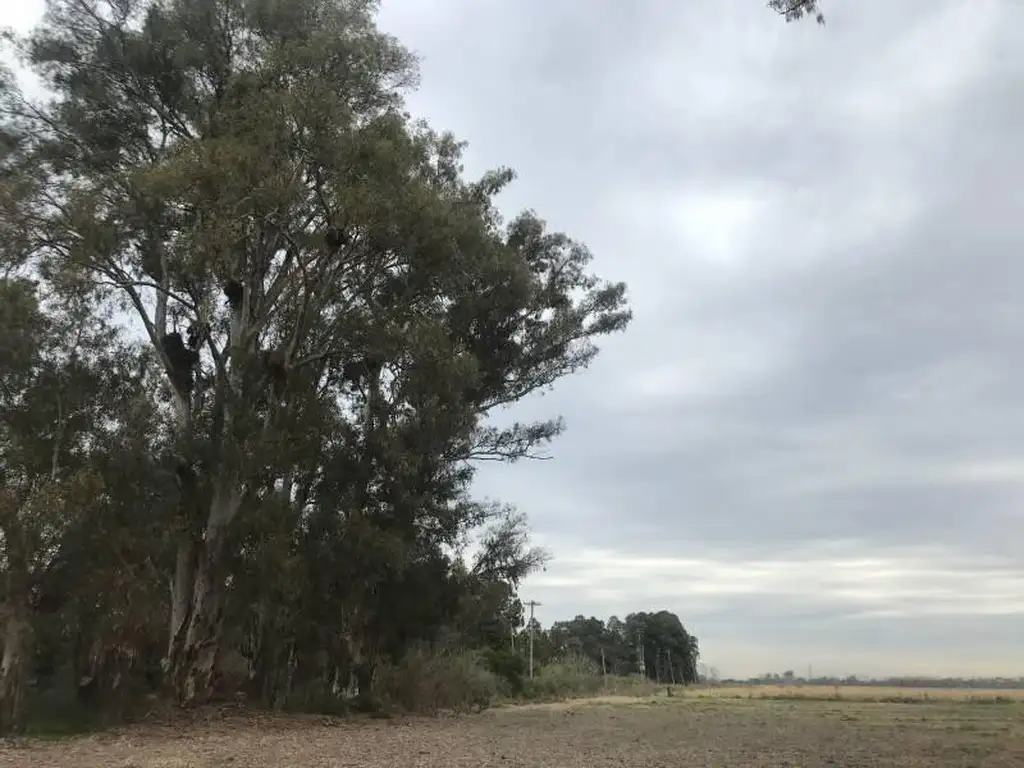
[(62, 385), (312, 274)]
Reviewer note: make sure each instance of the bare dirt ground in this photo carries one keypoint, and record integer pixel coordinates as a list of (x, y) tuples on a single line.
[(627, 733)]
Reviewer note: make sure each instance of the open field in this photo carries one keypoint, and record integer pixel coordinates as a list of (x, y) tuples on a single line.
[(878, 693), (609, 731)]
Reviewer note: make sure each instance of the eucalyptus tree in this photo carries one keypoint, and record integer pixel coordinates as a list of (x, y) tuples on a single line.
[(67, 387), (335, 310)]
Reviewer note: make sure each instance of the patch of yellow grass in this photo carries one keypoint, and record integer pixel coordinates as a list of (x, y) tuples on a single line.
[(854, 693), (618, 700)]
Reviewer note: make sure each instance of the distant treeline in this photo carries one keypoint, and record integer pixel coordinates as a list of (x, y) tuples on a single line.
[(655, 645)]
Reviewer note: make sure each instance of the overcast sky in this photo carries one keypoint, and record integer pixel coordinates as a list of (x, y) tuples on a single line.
[(810, 442)]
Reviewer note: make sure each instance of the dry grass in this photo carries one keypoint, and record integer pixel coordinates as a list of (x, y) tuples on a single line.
[(611, 731), (877, 693)]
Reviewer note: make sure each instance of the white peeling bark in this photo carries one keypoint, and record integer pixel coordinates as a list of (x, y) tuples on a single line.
[(16, 630), (196, 618), (12, 672)]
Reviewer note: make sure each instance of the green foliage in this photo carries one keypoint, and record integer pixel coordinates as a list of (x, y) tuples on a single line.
[(795, 10), (54, 714), (509, 667), (576, 679), (669, 651), (429, 683), (565, 679)]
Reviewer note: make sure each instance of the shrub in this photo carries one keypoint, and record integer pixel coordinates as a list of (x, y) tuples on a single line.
[(579, 676), (428, 683), (509, 667), (569, 676), (562, 680)]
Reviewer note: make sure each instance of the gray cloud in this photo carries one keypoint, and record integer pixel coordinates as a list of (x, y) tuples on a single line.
[(819, 227)]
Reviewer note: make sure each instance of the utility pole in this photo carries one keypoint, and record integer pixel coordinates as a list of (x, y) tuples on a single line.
[(640, 655), (533, 604)]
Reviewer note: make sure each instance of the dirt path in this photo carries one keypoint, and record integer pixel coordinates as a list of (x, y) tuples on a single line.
[(607, 732)]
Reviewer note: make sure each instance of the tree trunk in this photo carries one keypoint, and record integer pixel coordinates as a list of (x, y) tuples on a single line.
[(17, 625), (362, 665), (196, 597), (12, 672), (181, 591), (364, 682), (196, 591)]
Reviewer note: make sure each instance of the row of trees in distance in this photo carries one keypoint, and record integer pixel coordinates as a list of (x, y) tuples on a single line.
[(654, 644)]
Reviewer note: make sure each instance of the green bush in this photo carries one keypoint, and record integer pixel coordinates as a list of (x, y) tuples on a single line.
[(562, 680), (509, 667), (579, 677), (427, 683), (57, 714)]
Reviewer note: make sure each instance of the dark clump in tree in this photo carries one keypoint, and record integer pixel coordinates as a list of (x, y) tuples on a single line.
[(181, 362)]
